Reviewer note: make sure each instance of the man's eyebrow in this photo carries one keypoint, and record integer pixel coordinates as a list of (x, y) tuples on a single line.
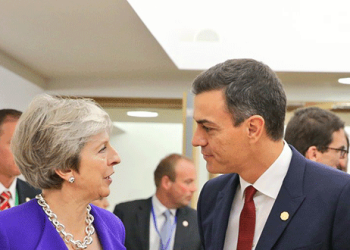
[(204, 121)]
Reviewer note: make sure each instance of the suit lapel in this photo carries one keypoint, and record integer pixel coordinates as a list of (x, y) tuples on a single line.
[(180, 235), (288, 200), (222, 211), (142, 222)]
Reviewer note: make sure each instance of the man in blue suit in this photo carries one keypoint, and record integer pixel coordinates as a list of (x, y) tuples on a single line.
[(269, 196)]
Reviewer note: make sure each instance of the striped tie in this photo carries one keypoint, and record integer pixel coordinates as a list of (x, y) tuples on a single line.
[(4, 200)]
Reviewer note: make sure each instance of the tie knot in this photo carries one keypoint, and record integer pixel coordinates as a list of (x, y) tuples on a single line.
[(249, 193), (167, 214), (6, 195)]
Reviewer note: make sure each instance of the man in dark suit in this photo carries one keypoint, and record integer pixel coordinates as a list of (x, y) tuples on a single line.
[(319, 135), (14, 189), (269, 196), (144, 219)]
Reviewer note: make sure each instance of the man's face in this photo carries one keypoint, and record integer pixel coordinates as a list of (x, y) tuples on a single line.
[(8, 167), (224, 146), (182, 189), (332, 157)]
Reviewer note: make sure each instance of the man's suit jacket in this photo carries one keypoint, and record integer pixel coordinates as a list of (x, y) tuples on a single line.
[(27, 227), (25, 191), (316, 197), (136, 218)]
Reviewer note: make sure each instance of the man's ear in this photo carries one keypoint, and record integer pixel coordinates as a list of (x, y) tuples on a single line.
[(64, 174), (166, 182), (311, 153), (255, 127)]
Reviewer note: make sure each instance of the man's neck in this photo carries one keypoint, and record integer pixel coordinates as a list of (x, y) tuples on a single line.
[(262, 158), (164, 200), (6, 181)]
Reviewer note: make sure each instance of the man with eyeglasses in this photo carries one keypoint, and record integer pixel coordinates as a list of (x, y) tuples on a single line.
[(319, 135)]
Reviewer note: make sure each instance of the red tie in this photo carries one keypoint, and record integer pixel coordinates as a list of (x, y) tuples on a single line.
[(4, 200), (247, 221)]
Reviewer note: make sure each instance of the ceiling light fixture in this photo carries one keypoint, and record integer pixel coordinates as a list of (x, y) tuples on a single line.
[(142, 114), (344, 80)]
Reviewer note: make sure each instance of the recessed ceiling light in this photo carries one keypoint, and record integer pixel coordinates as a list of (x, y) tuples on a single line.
[(344, 80), (142, 114)]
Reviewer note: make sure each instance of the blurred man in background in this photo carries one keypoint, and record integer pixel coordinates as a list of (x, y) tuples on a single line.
[(319, 135), (164, 221), (13, 191)]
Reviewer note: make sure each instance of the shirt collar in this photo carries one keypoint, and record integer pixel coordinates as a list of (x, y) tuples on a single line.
[(274, 174), (159, 208), (12, 189)]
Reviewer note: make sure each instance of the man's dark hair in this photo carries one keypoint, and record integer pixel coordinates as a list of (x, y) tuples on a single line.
[(8, 114), (166, 167), (312, 126), (251, 88)]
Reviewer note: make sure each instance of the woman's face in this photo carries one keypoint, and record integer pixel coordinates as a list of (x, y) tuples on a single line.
[(97, 159)]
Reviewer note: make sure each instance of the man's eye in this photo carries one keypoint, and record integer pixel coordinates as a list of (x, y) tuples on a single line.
[(206, 128)]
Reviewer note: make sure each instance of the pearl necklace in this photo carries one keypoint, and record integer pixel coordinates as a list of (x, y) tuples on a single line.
[(67, 237)]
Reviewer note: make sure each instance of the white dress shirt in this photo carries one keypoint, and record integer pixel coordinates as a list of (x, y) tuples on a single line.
[(159, 209), (12, 190), (268, 186)]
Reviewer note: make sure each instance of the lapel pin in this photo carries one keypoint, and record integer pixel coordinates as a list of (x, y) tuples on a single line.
[(284, 216), (27, 199), (185, 223)]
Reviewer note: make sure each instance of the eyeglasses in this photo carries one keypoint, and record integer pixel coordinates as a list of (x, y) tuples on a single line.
[(343, 152)]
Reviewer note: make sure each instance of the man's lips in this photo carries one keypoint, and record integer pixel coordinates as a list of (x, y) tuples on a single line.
[(206, 154)]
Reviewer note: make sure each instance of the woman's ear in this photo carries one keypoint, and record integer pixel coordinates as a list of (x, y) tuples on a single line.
[(311, 153), (64, 174), (255, 127)]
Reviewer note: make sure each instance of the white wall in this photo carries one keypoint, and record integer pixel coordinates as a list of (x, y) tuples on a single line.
[(15, 91), (141, 146)]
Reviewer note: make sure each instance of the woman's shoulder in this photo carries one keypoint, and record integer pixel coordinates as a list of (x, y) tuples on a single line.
[(105, 216), (109, 225), (22, 225), (28, 211)]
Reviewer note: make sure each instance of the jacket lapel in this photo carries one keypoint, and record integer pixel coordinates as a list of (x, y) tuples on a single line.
[(222, 211), (50, 238), (142, 223), (288, 200), (181, 234)]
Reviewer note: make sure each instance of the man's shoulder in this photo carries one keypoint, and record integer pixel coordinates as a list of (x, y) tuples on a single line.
[(21, 184), (133, 202), (189, 211), (130, 206), (219, 182), (325, 175)]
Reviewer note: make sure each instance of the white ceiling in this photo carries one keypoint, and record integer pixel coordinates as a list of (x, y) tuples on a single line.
[(102, 47)]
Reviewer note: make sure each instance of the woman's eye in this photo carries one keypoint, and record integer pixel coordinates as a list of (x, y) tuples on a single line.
[(102, 149)]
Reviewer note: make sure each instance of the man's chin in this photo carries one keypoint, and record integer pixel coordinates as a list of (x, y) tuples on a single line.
[(212, 168)]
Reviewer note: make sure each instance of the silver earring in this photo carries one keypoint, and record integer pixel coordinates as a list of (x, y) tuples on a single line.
[(71, 179)]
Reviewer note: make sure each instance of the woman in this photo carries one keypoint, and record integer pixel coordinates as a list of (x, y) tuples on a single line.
[(102, 202), (62, 146)]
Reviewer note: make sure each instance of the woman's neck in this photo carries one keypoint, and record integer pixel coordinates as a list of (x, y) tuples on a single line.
[(69, 209)]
